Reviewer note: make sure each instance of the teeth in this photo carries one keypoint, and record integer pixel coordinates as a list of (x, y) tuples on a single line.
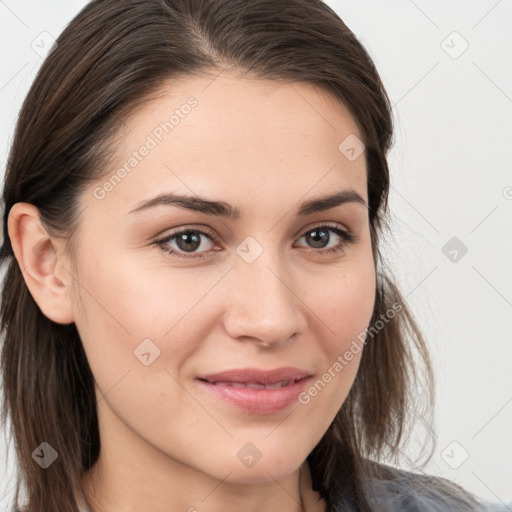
[(254, 385), (234, 384), (277, 384)]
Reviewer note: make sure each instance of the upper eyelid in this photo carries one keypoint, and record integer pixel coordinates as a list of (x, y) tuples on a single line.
[(329, 224)]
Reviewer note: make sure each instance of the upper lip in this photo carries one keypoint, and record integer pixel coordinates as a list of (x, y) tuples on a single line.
[(256, 375)]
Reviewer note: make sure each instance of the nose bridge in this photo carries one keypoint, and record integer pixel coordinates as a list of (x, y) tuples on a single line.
[(263, 304)]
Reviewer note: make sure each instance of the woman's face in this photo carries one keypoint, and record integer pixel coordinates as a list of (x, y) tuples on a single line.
[(257, 282)]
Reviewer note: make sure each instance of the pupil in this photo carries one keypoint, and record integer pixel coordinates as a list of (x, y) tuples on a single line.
[(318, 236), (191, 241)]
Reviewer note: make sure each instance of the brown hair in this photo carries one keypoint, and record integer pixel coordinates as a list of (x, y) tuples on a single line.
[(107, 61)]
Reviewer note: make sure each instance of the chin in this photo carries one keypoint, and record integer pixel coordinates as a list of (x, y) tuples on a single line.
[(267, 468), (260, 473)]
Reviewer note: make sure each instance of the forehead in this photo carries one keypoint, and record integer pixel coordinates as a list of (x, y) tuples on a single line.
[(232, 137)]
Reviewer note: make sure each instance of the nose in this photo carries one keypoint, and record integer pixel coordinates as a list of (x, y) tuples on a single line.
[(262, 302)]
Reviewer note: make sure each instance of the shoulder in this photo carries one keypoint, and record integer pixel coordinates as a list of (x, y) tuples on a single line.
[(392, 489)]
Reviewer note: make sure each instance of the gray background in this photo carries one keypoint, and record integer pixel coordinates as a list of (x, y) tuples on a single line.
[(451, 177)]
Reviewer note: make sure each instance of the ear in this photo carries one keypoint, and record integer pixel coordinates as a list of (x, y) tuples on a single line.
[(38, 256)]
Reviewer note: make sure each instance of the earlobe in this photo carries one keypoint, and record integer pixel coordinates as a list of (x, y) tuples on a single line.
[(38, 259)]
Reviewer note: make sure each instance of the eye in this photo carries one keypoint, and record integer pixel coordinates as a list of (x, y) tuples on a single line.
[(188, 241), (319, 236)]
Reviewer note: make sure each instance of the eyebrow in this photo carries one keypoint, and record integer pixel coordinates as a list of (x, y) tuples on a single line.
[(223, 209)]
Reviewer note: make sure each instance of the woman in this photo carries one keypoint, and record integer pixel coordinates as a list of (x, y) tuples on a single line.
[(196, 315)]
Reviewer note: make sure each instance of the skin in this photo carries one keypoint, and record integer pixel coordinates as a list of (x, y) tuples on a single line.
[(265, 147)]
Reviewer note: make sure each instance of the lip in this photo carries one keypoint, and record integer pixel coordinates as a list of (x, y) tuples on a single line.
[(256, 375), (257, 401)]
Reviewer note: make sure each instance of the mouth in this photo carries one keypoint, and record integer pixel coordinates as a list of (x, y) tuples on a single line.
[(257, 376), (253, 385), (256, 391)]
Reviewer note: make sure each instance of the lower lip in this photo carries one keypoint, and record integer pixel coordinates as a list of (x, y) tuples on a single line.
[(258, 401)]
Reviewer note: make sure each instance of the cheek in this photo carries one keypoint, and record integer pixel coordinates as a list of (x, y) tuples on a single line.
[(133, 328), (356, 303), (139, 320), (349, 302), (347, 309)]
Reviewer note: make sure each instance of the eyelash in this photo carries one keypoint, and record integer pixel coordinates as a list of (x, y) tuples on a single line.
[(347, 238)]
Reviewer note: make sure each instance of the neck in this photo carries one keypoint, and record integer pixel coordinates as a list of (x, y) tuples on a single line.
[(119, 488)]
